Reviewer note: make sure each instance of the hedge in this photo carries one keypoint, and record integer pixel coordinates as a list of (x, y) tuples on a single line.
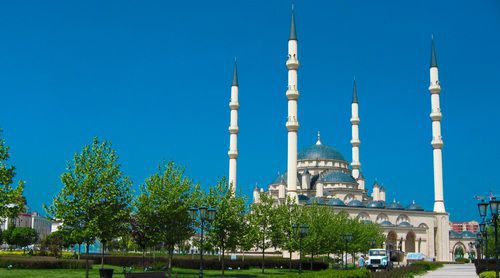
[(331, 273), (209, 263), (487, 274), (40, 262), (407, 271)]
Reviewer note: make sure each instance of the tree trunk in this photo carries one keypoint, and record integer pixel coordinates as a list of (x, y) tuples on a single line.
[(290, 260), (311, 262), (143, 254), (103, 244), (223, 260), (87, 261), (79, 250), (263, 252), (170, 254)]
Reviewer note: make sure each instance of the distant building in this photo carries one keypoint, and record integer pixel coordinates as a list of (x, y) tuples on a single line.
[(42, 225), (470, 226)]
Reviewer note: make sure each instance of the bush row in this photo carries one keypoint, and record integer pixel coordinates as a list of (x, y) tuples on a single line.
[(209, 263), (484, 265), (407, 271), (39, 263), (487, 274), (355, 273)]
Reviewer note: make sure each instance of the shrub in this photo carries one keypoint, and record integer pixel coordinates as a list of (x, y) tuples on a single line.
[(356, 273), (39, 262), (487, 274), (407, 271), (462, 260), (209, 263), (428, 265)]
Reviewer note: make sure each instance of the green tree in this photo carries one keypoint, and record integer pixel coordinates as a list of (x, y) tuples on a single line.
[(21, 236), (261, 219), (287, 214), (12, 201), (55, 242), (165, 199), (227, 229), (94, 201)]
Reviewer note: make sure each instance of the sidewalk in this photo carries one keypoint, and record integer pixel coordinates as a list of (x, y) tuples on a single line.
[(452, 270)]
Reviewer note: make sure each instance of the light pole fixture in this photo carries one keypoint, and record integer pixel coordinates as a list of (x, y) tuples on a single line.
[(346, 237), (302, 230), (494, 204), (483, 208), (204, 214)]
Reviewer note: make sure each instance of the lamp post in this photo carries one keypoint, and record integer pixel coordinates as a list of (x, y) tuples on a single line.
[(479, 246), (471, 246), (483, 211), (494, 203), (484, 233), (346, 237), (204, 214), (302, 230)]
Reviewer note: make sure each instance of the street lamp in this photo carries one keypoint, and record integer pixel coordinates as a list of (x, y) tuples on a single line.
[(494, 203), (204, 215), (483, 208), (302, 230), (346, 237), (484, 233), (372, 243)]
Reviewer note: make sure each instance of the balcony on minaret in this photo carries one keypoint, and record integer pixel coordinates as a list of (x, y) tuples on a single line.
[(436, 114), (292, 124), (233, 129), (355, 121), (234, 105), (355, 142), (437, 142), (292, 92), (233, 154), (355, 165), (292, 63), (434, 87)]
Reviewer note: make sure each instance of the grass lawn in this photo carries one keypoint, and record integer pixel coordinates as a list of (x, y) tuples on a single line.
[(94, 273)]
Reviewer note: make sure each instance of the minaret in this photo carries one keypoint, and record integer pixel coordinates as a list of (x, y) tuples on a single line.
[(437, 142), (355, 164), (233, 130), (292, 123)]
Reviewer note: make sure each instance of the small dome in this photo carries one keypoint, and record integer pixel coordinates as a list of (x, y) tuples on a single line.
[(404, 224), (336, 202), (366, 221), (320, 152), (395, 205), (386, 223), (375, 204), (467, 234), (454, 234), (355, 203), (316, 200), (414, 206), (303, 198), (336, 177)]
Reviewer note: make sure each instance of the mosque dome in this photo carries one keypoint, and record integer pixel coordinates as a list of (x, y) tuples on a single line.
[(316, 200), (336, 202), (375, 204), (336, 177), (395, 205), (467, 234), (404, 224), (355, 203), (320, 152), (303, 198), (414, 206), (386, 223)]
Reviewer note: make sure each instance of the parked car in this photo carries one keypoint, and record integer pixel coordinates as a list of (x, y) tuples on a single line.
[(378, 259), (414, 257)]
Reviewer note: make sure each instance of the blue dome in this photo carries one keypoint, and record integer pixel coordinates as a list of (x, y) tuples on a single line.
[(336, 202), (316, 200), (467, 234), (281, 178), (303, 198), (454, 234), (404, 224), (414, 206), (386, 223), (395, 205), (336, 177), (355, 203), (375, 204), (320, 152)]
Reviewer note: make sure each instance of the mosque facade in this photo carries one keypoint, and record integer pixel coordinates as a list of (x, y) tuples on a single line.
[(321, 174)]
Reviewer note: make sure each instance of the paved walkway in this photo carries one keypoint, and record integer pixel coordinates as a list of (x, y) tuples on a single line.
[(452, 270)]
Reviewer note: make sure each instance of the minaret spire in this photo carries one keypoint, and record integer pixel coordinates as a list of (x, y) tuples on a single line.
[(292, 123), (355, 142), (319, 139), (233, 130), (437, 142)]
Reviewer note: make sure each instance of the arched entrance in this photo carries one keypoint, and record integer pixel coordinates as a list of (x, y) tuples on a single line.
[(410, 242), (459, 250), (391, 242)]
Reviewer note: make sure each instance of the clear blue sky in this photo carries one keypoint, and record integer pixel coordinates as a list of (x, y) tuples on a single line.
[(154, 78)]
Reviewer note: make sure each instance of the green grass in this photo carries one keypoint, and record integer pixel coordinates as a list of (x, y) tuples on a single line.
[(94, 273)]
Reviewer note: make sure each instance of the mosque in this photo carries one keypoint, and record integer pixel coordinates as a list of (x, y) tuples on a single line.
[(321, 174)]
